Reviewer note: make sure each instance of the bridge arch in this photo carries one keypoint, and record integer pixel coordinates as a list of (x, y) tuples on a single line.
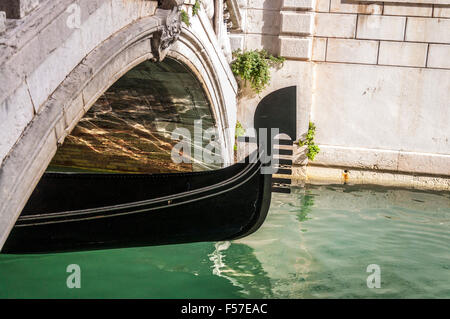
[(110, 59)]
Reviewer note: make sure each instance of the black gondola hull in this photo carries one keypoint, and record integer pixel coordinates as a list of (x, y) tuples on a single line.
[(72, 212)]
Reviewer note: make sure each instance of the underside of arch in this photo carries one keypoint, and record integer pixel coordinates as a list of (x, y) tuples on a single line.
[(30, 156)]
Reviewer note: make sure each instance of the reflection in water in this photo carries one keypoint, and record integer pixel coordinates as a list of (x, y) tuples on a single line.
[(128, 129), (316, 243)]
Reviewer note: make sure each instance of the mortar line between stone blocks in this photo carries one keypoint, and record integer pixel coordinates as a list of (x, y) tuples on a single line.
[(404, 30), (378, 51)]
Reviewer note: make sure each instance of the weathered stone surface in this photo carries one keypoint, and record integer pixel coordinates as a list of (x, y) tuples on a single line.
[(2, 22), (342, 156), (428, 30), (384, 107), (424, 163), (321, 174), (297, 23), (270, 43), (418, 10), (319, 49), (378, 27), (343, 6), (17, 9), (441, 11), (298, 4), (263, 21), (352, 51), (439, 56), (236, 41), (15, 114), (295, 48), (335, 25), (322, 6), (264, 4), (403, 53)]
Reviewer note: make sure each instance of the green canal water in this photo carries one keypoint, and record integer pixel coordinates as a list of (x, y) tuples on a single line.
[(316, 243)]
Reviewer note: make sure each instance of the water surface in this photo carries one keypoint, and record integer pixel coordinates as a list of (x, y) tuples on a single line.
[(316, 243)]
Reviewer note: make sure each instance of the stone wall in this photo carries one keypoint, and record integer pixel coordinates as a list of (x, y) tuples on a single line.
[(374, 77)]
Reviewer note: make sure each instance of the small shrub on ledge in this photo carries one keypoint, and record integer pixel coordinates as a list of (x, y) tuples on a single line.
[(254, 67), (312, 148)]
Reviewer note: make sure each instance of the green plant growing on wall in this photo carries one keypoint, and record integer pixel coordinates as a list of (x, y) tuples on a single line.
[(185, 18), (312, 148), (196, 7), (240, 131), (254, 67)]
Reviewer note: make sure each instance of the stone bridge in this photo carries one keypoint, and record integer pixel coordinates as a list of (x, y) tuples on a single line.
[(58, 57)]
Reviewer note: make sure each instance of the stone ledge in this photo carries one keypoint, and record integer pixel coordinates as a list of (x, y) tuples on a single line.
[(334, 175), (406, 1), (383, 160)]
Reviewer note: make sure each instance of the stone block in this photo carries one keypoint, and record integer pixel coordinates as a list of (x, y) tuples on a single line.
[(264, 4), (428, 30), (439, 56), (17, 9), (403, 53), (352, 51), (298, 4), (415, 10), (376, 27), (441, 11), (263, 21), (335, 25), (322, 6), (257, 42), (342, 6), (295, 48), (319, 49), (297, 23), (236, 41)]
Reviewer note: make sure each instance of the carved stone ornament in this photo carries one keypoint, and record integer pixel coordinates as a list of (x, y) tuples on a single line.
[(169, 32)]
